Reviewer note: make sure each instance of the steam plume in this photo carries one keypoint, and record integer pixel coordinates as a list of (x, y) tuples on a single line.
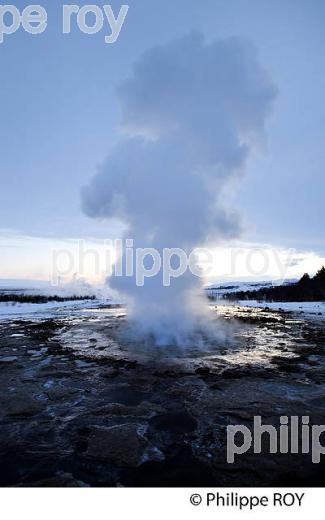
[(191, 114)]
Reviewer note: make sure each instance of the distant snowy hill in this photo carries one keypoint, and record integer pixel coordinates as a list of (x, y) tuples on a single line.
[(23, 286), (218, 290), (76, 287)]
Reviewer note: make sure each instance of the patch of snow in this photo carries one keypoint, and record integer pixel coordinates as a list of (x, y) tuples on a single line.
[(49, 309), (316, 309), (223, 288)]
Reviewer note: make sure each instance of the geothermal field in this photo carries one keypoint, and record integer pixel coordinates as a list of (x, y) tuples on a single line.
[(86, 403), (162, 254)]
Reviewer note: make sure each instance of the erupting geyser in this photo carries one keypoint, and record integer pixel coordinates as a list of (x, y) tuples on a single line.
[(191, 114)]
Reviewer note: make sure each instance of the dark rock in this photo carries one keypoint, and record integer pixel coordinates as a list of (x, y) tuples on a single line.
[(22, 405), (202, 371), (8, 359), (124, 445), (58, 393), (59, 480), (174, 422), (145, 409)]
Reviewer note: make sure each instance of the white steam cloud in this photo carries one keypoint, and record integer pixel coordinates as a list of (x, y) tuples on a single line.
[(191, 114)]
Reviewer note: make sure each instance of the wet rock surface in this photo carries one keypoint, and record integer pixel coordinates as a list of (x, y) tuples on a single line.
[(82, 404), (124, 445)]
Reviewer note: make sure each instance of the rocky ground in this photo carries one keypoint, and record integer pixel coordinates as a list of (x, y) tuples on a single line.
[(83, 405)]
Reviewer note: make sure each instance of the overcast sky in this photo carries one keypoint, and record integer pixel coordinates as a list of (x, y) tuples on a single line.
[(60, 116)]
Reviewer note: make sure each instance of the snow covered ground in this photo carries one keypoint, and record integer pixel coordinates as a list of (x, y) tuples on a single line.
[(307, 308), (46, 310), (14, 310), (219, 290)]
